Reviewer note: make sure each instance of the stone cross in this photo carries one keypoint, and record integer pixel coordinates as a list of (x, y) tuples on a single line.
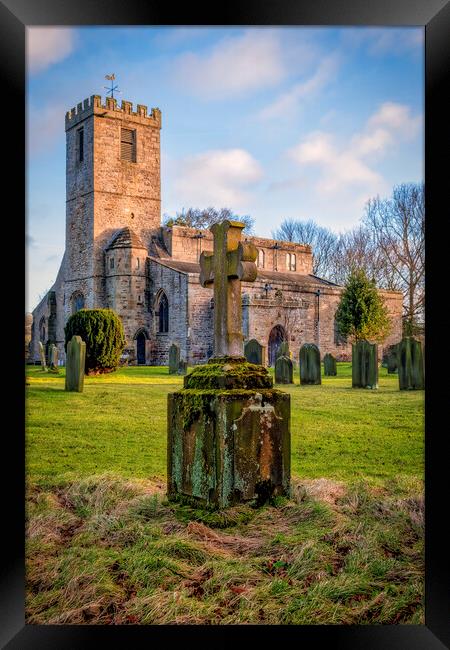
[(231, 263)]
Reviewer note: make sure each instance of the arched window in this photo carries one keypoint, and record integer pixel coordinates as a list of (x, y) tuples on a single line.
[(42, 330), (163, 314), (290, 262), (77, 302), (261, 259)]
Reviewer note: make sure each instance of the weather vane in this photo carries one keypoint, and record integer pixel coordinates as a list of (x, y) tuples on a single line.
[(111, 78)]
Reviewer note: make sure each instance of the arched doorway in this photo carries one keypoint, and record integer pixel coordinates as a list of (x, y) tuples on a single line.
[(140, 348), (276, 337)]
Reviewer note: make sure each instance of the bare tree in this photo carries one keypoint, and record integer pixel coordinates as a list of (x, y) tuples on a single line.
[(321, 240), (205, 218), (397, 226)]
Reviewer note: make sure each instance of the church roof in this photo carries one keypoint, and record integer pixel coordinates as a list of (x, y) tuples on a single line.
[(263, 274), (125, 238)]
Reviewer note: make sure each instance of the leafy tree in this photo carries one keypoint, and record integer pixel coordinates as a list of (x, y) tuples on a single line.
[(361, 313), (205, 218), (102, 331)]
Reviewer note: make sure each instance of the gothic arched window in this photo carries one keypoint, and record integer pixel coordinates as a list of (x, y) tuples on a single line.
[(163, 314), (77, 302), (42, 331)]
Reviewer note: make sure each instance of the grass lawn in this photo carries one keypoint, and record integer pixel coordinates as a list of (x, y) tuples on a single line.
[(104, 546)]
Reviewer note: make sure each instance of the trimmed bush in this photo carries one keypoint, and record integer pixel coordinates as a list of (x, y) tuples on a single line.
[(102, 331)]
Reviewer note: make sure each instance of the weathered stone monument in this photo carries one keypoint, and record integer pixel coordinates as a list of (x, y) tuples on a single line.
[(228, 428), (283, 350), (284, 371), (329, 365), (365, 365), (411, 375), (53, 358), (42, 355), (309, 361), (174, 359), (182, 367), (391, 359), (75, 361), (255, 353)]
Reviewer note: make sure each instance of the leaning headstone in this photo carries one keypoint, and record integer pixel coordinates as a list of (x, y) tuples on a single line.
[(329, 365), (391, 358), (309, 360), (284, 371), (182, 367), (254, 352), (174, 359), (42, 355), (411, 375), (365, 365), (228, 429), (283, 350), (75, 360)]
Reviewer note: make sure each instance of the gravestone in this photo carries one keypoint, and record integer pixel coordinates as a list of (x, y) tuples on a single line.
[(254, 352), (42, 355), (391, 359), (283, 350), (284, 371), (365, 365), (174, 359), (309, 361), (53, 357), (182, 367), (75, 361), (329, 365), (411, 375), (228, 428)]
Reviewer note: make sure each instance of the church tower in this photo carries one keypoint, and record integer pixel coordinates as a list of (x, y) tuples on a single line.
[(112, 182)]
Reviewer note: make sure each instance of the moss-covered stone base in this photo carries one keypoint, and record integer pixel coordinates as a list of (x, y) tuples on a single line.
[(228, 446)]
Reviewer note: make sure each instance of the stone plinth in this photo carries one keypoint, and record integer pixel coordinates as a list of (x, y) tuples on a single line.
[(228, 435)]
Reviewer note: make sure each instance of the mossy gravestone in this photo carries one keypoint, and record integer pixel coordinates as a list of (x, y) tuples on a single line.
[(284, 371), (182, 367), (254, 352), (283, 350), (228, 428), (53, 358), (309, 360), (391, 359), (75, 361), (411, 374), (365, 365), (174, 359), (329, 365)]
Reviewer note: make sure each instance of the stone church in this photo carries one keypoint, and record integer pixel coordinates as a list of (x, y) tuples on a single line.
[(119, 256)]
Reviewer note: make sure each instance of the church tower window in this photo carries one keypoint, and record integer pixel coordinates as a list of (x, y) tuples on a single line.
[(128, 144), (77, 302), (163, 314), (80, 144)]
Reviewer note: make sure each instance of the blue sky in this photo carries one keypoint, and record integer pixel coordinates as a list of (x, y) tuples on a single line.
[(299, 123)]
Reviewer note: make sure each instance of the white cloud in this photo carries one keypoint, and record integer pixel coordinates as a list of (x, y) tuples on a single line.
[(349, 165), (288, 101), (384, 41), (48, 45), (220, 178), (44, 126), (236, 65)]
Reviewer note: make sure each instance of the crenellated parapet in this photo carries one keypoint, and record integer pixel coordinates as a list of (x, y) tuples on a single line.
[(93, 106)]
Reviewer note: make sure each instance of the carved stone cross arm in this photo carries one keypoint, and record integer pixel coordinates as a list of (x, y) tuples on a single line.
[(232, 262)]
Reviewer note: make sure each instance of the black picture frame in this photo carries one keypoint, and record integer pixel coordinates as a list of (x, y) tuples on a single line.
[(434, 15)]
